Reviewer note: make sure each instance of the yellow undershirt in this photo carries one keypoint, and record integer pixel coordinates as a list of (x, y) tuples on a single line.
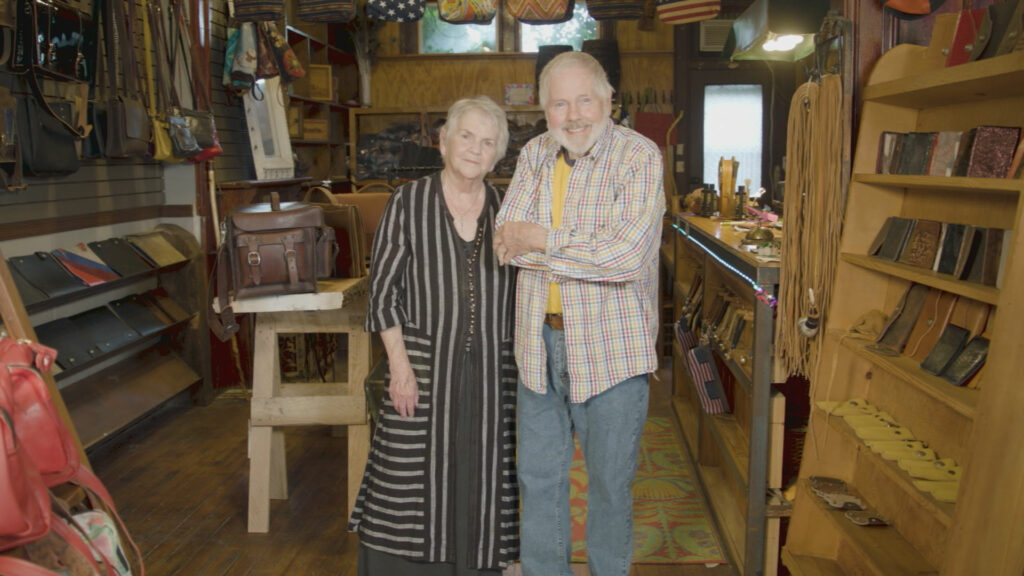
[(559, 187)]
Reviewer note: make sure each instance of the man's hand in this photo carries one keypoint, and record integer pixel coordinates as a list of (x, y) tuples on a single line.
[(515, 238)]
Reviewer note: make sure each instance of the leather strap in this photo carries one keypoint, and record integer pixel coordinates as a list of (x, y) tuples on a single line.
[(223, 324), (289, 257)]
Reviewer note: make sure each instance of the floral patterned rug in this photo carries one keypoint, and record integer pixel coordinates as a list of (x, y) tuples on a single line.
[(671, 523)]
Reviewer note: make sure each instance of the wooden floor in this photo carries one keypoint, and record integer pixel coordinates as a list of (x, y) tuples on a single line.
[(180, 482)]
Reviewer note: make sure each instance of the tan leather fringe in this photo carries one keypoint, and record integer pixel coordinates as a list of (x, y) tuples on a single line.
[(813, 217)]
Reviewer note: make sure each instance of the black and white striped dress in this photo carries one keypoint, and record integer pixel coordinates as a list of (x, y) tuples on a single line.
[(420, 279)]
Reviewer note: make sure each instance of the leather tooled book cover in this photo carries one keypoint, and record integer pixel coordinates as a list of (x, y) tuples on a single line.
[(876, 244), (895, 238), (29, 294), (894, 335), (73, 348), (155, 247), (991, 256), (117, 254), (949, 251), (104, 328), (967, 26), (992, 152), (916, 154), (89, 275), (887, 146), (922, 244), (935, 314), (963, 152), (944, 155), (43, 272), (967, 362), (969, 248), (950, 343), (133, 311), (975, 261)]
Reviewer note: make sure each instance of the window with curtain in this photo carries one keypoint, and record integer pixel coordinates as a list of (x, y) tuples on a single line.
[(733, 120)]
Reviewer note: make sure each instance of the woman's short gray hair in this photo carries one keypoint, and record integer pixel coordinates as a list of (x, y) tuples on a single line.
[(575, 60), (488, 107)]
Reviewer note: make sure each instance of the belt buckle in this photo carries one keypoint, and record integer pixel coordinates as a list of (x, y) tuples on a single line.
[(555, 321)]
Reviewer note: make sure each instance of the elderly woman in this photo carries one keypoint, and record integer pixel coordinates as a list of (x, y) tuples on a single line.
[(439, 495)]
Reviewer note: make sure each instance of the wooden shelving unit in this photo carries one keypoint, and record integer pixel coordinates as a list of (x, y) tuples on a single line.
[(979, 427), (317, 118), (107, 393), (738, 455), (363, 121)]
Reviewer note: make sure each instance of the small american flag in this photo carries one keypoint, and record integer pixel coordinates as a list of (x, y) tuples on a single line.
[(686, 11), (706, 381)]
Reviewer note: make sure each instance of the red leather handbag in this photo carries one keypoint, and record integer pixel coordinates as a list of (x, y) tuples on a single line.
[(47, 443), (24, 499)]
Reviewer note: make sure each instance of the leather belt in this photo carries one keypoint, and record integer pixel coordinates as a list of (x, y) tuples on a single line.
[(555, 321)]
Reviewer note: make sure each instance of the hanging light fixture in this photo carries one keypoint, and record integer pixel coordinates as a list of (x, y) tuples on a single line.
[(780, 30)]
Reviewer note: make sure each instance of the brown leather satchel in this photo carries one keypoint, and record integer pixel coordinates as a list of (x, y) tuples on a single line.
[(279, 248), (270, 249), (347, 223)]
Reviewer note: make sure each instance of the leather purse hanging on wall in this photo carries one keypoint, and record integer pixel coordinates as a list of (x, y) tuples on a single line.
[(128, 129), (200, 120), (56, 40)]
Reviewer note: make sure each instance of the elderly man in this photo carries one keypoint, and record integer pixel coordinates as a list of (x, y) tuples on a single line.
[(582, 221)]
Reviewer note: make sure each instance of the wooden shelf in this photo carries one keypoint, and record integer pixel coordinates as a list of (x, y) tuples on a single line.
[(742, 376), (941, 512), (999, 77), (136, 344), (963, 400), (960, 185), (689, 413), (313, 101), (734, 450), (944, 282), (121, 394), (726, 512), (88, 291), (879, 550), (803, 565)]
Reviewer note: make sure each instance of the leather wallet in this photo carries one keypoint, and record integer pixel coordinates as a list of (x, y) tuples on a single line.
[(949, 345), (117, 254), (43, 272), (922, 244), (103, 327), (895, 334), (155, 247), (967, 362), (935, 314), (895, 238), (949, 251), (134, 312), (72, 348), (29, 293)]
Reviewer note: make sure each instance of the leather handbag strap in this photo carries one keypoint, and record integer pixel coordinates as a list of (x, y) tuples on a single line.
[(223, 324), (322, 192)]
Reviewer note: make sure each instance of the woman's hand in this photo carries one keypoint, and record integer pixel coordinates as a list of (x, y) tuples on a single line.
[(403, 390)]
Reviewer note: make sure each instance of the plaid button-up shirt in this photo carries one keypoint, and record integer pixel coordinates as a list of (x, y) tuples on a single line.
[(604, 257)]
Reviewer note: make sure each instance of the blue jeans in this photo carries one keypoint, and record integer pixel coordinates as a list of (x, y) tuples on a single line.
[(608, 426)]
